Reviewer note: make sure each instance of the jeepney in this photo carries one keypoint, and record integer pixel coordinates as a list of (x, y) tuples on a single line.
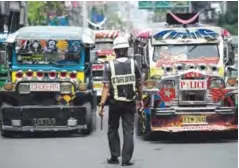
[(185, 89), (3, 66), (104, 52), (49, 85)]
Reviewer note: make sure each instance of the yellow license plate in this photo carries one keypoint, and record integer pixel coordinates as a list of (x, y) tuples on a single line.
[(194, 119), (98, 85)]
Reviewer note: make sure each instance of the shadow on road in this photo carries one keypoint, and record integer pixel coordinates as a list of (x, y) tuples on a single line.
[(45, 135), (194, 137)]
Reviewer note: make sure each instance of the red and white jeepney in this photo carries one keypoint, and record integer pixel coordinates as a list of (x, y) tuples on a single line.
[(104, 52), (185, 88)]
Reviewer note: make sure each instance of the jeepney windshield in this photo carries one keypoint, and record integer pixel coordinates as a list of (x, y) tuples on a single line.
[(104, 46), (61, 52), (185, 51)]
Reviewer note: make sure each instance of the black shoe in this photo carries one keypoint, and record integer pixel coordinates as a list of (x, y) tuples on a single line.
[(113, 160), (127, 164)]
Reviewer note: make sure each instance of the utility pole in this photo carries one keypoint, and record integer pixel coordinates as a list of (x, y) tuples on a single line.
[(84, 14)]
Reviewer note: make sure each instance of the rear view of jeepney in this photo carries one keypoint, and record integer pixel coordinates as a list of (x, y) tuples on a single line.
[(104, 52), (49, 86), (186, 88)]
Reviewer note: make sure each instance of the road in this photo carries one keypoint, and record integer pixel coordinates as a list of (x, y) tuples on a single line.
[(45, 151)]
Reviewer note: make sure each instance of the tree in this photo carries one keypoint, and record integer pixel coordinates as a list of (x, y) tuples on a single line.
[(229, 21), (38, 11)]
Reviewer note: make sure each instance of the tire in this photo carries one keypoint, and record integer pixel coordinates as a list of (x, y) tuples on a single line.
[(90, 119), (147, 136), (138, 127), (5, 134)]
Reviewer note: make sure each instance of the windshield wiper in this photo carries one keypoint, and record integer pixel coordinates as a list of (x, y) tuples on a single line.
[(193, 48)]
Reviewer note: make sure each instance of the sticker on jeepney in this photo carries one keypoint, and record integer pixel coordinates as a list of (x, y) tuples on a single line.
[(62, 45), (74, 45), (192, 84), (51, 44), (35, 46)]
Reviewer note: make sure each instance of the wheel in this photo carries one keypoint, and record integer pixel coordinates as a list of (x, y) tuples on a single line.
[(90, 119), (147, 135), (138, 126), (4, 133)]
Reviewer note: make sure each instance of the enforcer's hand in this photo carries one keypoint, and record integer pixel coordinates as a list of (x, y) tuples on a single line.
[(101, 111), (141, 105)]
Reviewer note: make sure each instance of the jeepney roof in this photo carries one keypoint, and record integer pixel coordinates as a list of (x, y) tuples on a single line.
[(86, 35)]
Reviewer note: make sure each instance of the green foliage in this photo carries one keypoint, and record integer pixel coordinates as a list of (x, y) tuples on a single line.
[(229, 21), (37, 11)]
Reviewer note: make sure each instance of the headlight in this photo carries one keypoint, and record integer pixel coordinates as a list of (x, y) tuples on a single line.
[(214, 68), (168, 69), (179, 67), (202, 67), (191, 66), (150, 84)]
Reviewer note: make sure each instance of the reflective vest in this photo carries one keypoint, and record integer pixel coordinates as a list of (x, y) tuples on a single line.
[(124, 86)]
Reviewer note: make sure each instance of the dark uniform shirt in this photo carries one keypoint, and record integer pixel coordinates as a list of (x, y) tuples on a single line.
[(107, 73)]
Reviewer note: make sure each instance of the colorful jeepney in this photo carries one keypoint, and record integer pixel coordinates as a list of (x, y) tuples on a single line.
[(3, 65), (49, 86), (104, 52), (185, 89)]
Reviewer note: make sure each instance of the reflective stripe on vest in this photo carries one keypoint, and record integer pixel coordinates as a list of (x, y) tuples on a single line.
[(121, 80)]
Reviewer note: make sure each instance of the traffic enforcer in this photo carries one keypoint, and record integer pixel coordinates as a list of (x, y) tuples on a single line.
[(49, 86)]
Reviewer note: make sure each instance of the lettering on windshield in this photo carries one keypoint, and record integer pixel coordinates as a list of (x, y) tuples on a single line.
[(199, 33)]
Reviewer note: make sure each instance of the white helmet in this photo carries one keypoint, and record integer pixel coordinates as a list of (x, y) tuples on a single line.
[(121, 42)]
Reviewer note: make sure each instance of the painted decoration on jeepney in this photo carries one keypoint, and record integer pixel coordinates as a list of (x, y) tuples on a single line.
[(41, 51), (173, 34), (51, 44), (74, 45), (167, 94), (62, 45)]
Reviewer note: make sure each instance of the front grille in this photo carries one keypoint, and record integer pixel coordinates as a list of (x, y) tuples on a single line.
[(97, 74), (193, 95)]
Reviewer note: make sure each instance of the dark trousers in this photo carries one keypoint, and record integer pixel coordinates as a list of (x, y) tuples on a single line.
[(126, 112)]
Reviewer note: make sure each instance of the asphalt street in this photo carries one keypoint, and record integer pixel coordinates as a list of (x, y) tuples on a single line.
[(55, 151)]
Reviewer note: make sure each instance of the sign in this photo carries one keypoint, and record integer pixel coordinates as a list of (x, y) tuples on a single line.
[(44, 121), (173, 34), (193, 85), (44, 87), (194, 120), (162, 4)]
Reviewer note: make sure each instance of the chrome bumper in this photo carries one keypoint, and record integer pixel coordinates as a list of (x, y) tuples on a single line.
[(43, 128)]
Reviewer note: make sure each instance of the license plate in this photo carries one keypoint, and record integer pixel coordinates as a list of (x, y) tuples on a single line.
[(45, 87), (193, 85), (98, 85), (194, 120), (44, 121)]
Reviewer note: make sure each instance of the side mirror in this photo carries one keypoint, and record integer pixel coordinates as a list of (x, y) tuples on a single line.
[(3, 57), (225, 56), (93, 56)]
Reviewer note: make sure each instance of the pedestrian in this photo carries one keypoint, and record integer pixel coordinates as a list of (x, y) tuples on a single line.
[(122, 81)]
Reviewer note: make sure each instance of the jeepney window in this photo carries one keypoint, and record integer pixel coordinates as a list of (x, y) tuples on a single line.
[(48, 52), (104, 46), (182, 52)]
